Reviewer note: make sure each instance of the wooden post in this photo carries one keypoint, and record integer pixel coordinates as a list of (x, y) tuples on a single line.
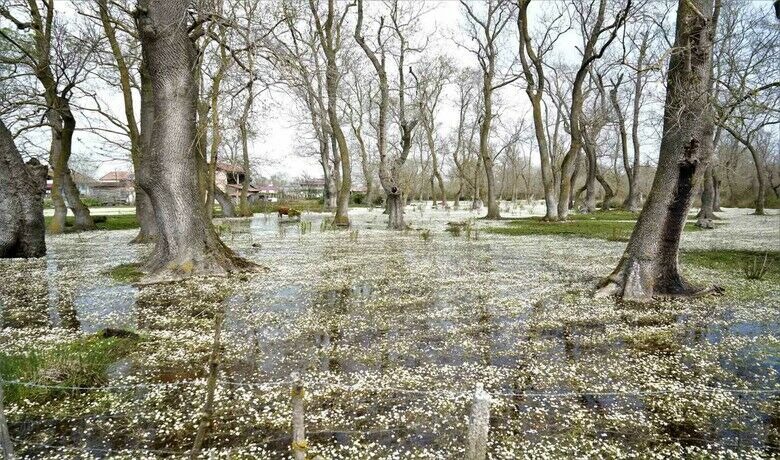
[(299, 444), (5, 437), (479, 425), (207, 411)]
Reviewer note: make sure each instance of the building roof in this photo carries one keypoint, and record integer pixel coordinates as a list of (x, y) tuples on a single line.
[(116, 176), (78, 177), (227, 167)]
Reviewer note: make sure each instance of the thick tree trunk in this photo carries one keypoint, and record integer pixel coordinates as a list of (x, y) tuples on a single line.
[(574, 193), (493, 212), (245, 210), (187, 244), (395, 210), (22, 186), (649, 266), (82, 218), (456, 205)]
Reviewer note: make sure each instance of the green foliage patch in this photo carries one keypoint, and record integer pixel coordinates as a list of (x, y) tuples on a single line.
[(119, 222), (126, 273), (83, 362)]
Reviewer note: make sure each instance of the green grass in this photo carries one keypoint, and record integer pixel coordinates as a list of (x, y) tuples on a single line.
[(605, 215), (734, 261), (120, 222), (83, 362), (605, 225), (126, 273)]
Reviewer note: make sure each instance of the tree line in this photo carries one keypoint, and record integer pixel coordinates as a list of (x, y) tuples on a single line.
[(552, 99)]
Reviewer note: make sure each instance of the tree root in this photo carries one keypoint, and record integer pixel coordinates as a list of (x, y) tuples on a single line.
[(637, 281)]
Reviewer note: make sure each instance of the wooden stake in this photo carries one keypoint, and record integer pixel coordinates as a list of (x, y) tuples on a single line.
[(5, 437), (299, 444), (479, 425)]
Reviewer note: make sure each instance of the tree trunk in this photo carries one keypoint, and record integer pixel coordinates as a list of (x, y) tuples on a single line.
[(22, 186), (187, 244), (63, 128), (395, 210), (758, 161), (649, 266), (82, 218), (493, 211), (144, 210), (606, 204), (225, 202), (590, 180), (706, 213), (245, 210), (716, 190)]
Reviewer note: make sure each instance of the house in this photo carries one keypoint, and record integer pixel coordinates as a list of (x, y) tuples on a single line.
[(83, 182), (229, 178), (268, 193), (115, 187)]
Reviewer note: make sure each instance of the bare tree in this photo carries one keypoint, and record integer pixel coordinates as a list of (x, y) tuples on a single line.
[(329, 32), (486, 29), (531, 59), (649, 266), (58, 78), (432, 81), (143, 206), (597, 35), (390, 168)]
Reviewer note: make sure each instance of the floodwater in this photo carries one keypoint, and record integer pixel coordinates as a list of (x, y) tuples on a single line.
[(391, 332)]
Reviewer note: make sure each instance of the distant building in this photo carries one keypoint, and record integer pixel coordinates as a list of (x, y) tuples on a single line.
[(83, 182), (308, 189), (116, 187), (230, 178), (268, 193)]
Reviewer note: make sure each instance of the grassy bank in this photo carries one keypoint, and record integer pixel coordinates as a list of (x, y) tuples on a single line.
[(120, 222), (605, 225)]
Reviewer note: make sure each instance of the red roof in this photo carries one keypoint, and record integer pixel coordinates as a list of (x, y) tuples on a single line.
[(117, 176)]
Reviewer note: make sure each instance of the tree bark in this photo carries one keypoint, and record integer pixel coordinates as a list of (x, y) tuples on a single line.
[(706, 213), (187, 244), (22, 186), (649, 266)]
